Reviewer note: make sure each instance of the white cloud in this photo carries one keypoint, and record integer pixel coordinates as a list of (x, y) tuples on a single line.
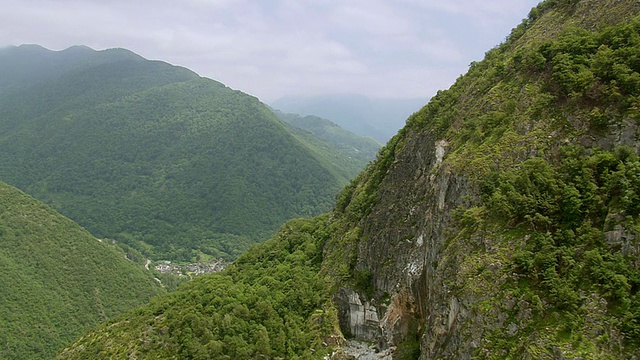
[(277, 47), (373, 18), (485, 11)]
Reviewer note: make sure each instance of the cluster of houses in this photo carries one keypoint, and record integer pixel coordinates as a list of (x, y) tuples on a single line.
[(193, 269)]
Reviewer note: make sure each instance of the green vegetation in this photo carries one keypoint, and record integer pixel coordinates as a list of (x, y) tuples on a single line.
[(529, 82), (57, 280), (579, 217), (172, 165), (271, 303), (357, 151), (537, 141)]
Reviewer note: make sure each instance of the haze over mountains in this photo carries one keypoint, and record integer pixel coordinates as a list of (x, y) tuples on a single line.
[(376, 118), (154, 156), (357, 150)]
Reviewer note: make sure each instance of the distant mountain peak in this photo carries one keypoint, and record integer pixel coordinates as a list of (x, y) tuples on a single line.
[(79, 48), (379, 118), (122, 52)]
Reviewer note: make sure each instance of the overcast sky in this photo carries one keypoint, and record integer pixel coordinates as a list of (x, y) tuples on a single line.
[(275, 48)]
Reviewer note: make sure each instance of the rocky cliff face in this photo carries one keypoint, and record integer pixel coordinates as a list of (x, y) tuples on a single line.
[(406, 234), (435, 279)]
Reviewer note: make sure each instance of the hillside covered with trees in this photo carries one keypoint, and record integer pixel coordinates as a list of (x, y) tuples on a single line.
[(356, 151), (168, 164), (271, 303), (58, 281)]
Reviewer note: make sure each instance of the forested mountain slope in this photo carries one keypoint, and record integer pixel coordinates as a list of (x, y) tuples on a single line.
[(154, 156), (270, 303), (357, 151), (57, 280), (25, 65), (502, 221)]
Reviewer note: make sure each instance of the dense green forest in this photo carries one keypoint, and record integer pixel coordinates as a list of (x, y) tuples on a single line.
[(357, 151), (58, 281), (271, 303), (168, 164), (22, 66)]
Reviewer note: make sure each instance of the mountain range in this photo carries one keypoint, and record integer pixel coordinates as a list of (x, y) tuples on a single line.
[(167, 163), (501, 222), (357, 151)]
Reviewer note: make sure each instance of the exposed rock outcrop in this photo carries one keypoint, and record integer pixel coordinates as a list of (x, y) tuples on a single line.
[(358, 318), (431, 280), (406, 234)]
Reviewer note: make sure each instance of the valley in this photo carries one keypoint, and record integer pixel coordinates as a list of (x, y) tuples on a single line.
[(500, 221), (191, 269)]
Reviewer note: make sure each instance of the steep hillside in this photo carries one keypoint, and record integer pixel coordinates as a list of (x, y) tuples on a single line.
[(502, 222), (154, 156), (57, 280), (271, 303), (349, 151)]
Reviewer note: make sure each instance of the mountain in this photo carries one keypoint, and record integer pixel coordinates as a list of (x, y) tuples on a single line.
[(379, 118), (501, 222), (270, 303), (57, 280), (23, 65), (154, 156), (356, 151)]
